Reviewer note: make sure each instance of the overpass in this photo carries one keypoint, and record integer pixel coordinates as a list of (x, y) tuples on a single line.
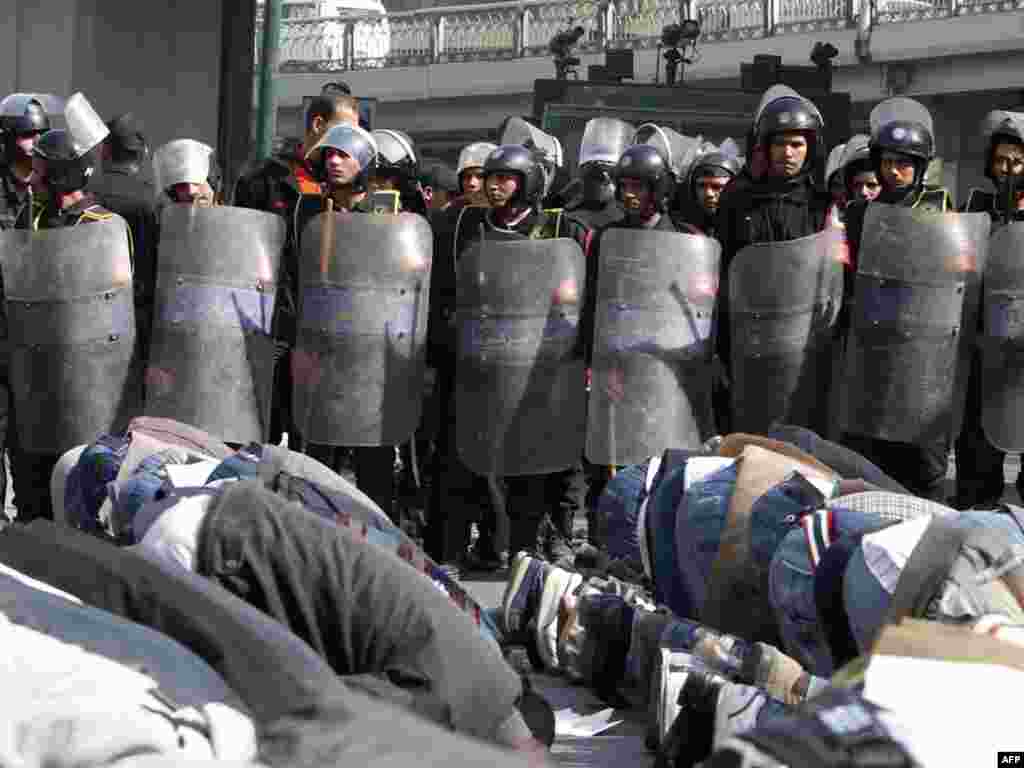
[(452, 73)]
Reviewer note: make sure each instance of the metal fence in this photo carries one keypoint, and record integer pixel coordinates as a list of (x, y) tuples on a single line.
[(508, 30)]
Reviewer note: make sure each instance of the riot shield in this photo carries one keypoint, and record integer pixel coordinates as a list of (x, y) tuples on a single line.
[(359, 364), (678, 150), (913, 322), (784, 301), (1002, 378), (211, 356), (519, 377), (651, 372), (71, 316)]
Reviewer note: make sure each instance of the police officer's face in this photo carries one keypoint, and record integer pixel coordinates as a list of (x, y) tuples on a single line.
[(1007, 160), (865, 186), (472, 181), (636, 196), (198, 194), (501, 187), (709, 191), (897, 171), (26, 142), (341, 167), (787, 154)]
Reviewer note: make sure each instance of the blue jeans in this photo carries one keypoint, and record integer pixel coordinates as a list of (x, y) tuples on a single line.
[(619, 509)]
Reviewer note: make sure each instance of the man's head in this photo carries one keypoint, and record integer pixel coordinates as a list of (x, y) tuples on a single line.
[(788, 130), (185, 171), (470, 170), (126, 144), (60, 164), (343, 157), (513, 178), (644, 183), (1007, 158), (709, 190), (902, 143), (439, 184), (23, 120), (598, 182), (603, 142), (397, 169), (326, 111)]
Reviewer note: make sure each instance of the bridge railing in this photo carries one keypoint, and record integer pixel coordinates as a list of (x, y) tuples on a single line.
[(510, 30)]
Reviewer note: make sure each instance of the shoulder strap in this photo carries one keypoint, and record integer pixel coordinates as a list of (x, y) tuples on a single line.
[(926, 569)]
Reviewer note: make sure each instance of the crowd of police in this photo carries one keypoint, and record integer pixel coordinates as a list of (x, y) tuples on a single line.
[(516, 346)]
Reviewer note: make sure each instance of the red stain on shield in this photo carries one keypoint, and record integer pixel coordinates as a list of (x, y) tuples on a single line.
[(159, 381), (306, 368), (614, 385), (567, 292)]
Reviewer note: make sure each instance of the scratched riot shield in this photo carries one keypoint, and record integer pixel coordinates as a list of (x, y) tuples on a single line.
[(914, 316), (71, 317), (211, 356), (358, 370), (784, 301), (1002, 343), (519, 377), (651, 374)]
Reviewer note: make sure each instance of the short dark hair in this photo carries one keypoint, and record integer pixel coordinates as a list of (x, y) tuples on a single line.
[(327, 106), (337, 87)]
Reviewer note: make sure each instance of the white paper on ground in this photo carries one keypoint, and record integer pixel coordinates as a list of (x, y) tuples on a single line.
[(929, 698), (191, 475), (568, 722)]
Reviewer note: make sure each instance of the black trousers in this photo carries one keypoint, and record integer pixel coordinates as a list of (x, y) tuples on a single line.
[(979, 464), (375, 472)]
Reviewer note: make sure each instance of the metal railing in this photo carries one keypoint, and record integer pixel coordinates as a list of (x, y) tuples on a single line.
[(509, 30)]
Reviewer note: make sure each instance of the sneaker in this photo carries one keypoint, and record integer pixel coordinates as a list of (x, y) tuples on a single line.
[(689, 739), (523, 591), (557, 584), (671, 668)]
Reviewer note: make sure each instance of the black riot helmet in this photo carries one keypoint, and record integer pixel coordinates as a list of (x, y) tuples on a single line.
[(68, 168), (517, 159), (21, 114), (725, 161), (597, 182), (902, 126), (1001, 127), (645, 163), (783, 110)]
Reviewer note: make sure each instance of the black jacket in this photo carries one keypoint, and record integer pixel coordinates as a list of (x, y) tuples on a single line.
[(14, 202)]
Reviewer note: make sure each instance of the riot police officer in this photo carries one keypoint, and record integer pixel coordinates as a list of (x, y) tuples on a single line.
[(470, 170), (979, 464), (24, 117), (516, 183), (902, 146), (64, 161), (186, 171), (860, 181), (774, 199), (699, 198), (604, 140), (284, 184)]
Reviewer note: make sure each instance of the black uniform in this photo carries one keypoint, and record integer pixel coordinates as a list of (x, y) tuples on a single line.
[(764, 211), (979, 464), (283, 185), (32, 471), (921, 468)]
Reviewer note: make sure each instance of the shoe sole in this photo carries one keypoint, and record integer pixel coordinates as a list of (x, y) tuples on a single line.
[(519, 568), (558, 584)]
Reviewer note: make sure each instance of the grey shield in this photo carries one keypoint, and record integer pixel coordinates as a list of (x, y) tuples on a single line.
[(914, 316), (651, 373), (358, 369), (784, 301), (519, 380), (1002, 378), (211, 357), (71, 316)]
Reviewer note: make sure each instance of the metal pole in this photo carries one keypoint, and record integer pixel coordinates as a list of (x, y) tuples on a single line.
[(266, 116)]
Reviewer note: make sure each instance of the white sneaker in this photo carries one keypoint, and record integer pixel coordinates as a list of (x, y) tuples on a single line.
[(557, 585)]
